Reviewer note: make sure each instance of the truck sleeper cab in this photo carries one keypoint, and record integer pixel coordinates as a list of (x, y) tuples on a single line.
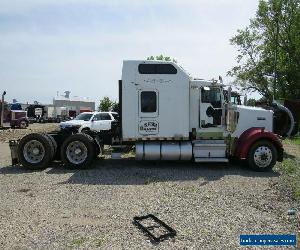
[(171, 116)]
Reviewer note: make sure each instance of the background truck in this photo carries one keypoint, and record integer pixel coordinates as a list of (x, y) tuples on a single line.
[(165, 114), (56, 114), (36, 112), (13, 118)]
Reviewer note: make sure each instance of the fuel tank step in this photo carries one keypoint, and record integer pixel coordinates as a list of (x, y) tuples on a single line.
[(209, 149), (211, 160)]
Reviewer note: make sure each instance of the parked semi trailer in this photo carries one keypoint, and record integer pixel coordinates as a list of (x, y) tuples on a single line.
[(165, 114)]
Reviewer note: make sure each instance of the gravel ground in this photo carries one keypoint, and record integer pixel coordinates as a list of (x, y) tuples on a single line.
[(10, 134), (208, 205)]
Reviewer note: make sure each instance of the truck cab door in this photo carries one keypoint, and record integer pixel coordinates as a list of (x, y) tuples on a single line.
[(211, 108), (148, 113)]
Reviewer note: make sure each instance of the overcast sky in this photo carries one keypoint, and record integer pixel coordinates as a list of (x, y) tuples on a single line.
[(78, 45)]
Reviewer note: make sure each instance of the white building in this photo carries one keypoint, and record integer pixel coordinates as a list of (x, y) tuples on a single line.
[(74, 105)]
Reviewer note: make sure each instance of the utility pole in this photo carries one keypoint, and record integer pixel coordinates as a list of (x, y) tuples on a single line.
[(2, 109)]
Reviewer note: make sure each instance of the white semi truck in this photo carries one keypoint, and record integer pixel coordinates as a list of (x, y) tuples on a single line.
[(165, 114)]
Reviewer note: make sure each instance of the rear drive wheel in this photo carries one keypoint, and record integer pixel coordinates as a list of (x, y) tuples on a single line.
[(98, 150), (78, 151), (35, 151), (262, 156), (53, 144), (85, 131)]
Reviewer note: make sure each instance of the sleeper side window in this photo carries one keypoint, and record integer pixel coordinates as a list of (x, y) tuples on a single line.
[(164, 68), (148, 102)]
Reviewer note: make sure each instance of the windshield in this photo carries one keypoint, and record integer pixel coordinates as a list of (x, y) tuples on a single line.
[(84, 117)]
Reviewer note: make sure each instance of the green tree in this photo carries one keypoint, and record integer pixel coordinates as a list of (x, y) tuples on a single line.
[(162, 58), (115, 107), (251, 102), (269, 51), (105, 104)]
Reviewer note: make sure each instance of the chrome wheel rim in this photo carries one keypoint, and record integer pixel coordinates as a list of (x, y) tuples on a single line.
[(263, 156), (34, 151), (76, 152)]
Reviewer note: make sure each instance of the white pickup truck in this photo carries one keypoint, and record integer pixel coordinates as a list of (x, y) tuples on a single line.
[(94, 121)]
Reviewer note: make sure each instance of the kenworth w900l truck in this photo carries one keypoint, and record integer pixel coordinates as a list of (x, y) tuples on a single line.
[(166, 115)]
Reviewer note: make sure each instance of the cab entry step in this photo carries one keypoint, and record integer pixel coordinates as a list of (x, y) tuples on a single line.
[(209, 151), (211, 160)]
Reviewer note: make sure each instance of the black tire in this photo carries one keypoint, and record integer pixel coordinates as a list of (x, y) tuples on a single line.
[(97, 150), (27, 159), (85, 131), (53, 144), (259, 149), (86, 143)]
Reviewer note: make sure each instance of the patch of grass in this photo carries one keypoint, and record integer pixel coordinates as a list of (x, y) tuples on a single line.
[(77, 242), (297, 193), (290, 168), (294, 140)]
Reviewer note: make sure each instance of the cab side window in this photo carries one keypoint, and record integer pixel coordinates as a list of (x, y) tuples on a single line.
[(148, 102), (164, 68), (212, 96)]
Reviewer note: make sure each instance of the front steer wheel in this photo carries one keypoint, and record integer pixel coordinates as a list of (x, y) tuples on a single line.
[(35, 151), (78, 151), (262, 156)]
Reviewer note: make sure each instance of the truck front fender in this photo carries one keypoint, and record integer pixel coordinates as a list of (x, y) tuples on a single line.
[(251, 136)]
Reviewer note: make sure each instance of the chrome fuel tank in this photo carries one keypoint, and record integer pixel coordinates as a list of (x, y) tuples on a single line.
[(170, 151), (152, 151), (166, 151)]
